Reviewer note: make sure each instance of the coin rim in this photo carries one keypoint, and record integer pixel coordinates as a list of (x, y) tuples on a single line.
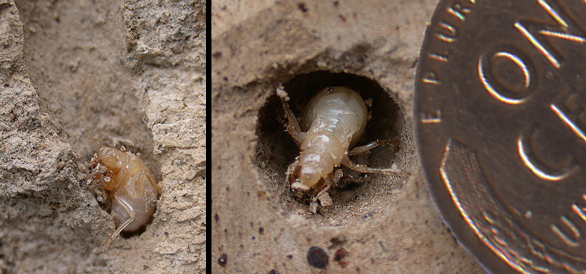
[(450, 214)]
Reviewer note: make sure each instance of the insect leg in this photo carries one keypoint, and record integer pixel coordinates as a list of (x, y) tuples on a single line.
[(291, 173), (324, 190), (152, 181), (369, 146), (292, 125), (132, 214), (366, 169), (95, 138), (322, 196)]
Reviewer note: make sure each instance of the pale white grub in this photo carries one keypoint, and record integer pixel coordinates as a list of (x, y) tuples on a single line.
[(132, 189), (333, 121)]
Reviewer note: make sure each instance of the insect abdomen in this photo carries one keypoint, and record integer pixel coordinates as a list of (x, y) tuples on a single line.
[(336, 118)]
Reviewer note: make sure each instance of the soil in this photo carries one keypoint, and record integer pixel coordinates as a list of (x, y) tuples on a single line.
[(378, 223), (129, 73)]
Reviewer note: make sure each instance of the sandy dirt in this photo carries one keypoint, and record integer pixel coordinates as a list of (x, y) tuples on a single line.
[(131, 73), (388, 224)]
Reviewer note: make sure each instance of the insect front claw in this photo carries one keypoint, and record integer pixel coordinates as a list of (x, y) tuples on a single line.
[(299, 186)]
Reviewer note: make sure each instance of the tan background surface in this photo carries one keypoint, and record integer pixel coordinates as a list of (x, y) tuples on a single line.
[(388, 225), (133, 74)]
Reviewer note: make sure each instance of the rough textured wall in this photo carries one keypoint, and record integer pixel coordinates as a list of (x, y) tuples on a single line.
[(387, 225), (131, 73)]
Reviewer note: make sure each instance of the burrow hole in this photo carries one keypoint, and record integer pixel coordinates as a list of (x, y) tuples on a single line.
[(276, 149)]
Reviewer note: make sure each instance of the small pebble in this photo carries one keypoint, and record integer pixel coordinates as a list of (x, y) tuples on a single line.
[(223, 259), (317, 257)]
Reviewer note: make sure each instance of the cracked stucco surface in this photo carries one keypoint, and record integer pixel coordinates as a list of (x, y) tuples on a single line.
[(391, 225), (132, 73)]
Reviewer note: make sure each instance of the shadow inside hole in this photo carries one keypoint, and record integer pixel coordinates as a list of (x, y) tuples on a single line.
[(98, 172), (139, 231), (276, 149)]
